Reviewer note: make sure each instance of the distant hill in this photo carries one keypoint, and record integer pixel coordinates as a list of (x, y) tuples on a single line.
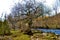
[(47, 22)]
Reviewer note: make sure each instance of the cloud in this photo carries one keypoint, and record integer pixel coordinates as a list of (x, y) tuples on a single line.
[(5, 5), (49, 3)]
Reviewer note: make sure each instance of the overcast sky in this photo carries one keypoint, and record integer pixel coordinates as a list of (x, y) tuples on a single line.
[(6, 5)]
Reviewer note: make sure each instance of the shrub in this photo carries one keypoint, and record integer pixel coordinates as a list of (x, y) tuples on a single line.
[(4, 28)]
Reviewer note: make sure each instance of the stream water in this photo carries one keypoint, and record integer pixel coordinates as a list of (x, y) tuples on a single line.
[(56, 31)]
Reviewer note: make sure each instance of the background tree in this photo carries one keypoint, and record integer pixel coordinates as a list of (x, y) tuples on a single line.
[(56, 5), (4, 27)]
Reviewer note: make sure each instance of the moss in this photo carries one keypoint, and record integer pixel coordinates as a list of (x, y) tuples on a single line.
[(23, 37), (18, 35)]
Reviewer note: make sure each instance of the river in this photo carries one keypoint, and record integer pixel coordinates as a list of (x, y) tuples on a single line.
[(56, 31)]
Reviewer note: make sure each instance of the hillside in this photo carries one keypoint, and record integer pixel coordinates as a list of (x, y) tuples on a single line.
[(45, 22), (48, 22)]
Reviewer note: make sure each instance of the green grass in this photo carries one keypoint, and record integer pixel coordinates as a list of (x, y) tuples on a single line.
[(18, 35)]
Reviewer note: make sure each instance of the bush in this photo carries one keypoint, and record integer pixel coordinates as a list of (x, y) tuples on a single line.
[(4, 28)]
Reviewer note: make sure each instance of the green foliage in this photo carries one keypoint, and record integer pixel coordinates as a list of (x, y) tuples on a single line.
[(4, 28)]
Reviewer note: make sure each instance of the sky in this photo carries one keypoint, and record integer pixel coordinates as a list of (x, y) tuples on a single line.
[(6, 5)]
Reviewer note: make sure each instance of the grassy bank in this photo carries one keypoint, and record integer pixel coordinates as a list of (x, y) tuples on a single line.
[(18, 35)]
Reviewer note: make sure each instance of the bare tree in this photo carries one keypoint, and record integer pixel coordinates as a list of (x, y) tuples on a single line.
[(28, 12), (56, 6)]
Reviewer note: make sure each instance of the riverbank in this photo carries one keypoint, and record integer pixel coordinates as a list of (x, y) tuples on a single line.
[(45, 36), (17, 35)]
